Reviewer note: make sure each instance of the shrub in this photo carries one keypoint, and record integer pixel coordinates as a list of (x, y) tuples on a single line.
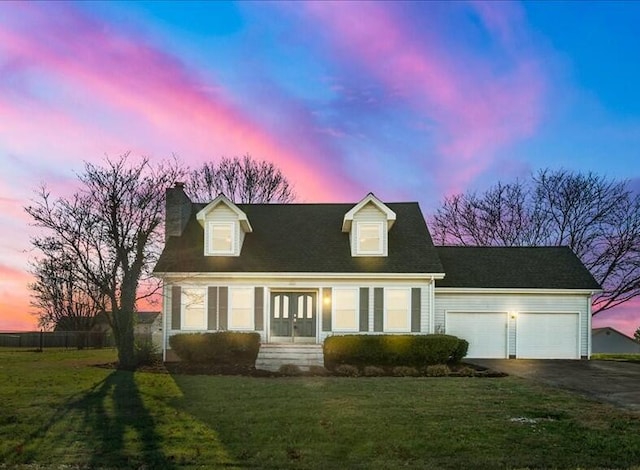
[(405, 371), (392, 350), (290, 369), (373, 371), (146, 352), (318, 370), (437, 370), (221, 347), (460, 352), (466, 371), (346, 370)]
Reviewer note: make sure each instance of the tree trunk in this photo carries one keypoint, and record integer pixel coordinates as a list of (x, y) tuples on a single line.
[(123, 320), (124, 339)]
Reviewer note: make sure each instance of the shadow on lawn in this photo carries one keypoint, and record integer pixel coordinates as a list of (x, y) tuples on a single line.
[(109, 410), (110, 426)]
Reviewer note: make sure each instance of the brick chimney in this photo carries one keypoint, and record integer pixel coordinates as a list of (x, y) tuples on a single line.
[(177, 211)]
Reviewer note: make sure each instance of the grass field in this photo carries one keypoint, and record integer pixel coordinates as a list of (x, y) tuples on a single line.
[(617, 357), (57, 409)]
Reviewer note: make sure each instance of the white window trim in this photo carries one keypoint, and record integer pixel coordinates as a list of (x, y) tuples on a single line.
[(230, 307), (356, 312), (408, 313), (209, 251), (380, 251), (204, 325)]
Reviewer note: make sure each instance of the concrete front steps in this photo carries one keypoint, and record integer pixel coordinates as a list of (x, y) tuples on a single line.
[(272, 356)]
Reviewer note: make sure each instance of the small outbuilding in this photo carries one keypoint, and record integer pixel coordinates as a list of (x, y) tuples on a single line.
[(608, 340)]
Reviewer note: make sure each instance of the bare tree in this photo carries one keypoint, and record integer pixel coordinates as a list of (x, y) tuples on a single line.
[(598, 218), (243, 180), (59, 292), (111, 227)]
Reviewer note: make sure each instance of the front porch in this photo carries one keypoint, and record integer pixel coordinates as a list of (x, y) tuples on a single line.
[(273, 355)]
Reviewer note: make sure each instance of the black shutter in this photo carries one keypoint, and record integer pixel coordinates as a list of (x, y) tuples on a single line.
[(415, 309), (223, 307), (364, 309), (259, 308), (378, 309), (176, 307)]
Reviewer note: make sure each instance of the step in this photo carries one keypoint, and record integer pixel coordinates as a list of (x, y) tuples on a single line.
[(272, 356)]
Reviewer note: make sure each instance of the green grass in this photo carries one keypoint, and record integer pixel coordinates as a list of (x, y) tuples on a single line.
[(617, 357), (56, 409)]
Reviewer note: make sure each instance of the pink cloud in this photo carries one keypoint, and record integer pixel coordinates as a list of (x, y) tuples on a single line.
[(625, 318), (476, 108), (154, 97)]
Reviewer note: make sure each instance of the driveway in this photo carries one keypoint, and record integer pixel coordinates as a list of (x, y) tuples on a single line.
[(617, 383)]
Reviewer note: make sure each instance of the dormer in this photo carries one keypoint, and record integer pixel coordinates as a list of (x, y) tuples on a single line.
[(225, 226), (368, 224)]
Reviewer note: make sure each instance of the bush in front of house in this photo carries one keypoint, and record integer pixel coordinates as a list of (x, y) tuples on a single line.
[(221, 347), (393, 350)]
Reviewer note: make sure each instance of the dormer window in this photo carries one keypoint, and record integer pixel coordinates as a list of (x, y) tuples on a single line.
[(370, 238), (221, 236), (368, 224), (225, 227)]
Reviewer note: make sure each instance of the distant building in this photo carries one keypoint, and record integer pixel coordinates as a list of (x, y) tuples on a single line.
[(608, 340), (146, 324)]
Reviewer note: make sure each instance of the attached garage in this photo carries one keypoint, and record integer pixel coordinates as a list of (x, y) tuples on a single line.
[(544, 292), (486, 332), (548, 336)]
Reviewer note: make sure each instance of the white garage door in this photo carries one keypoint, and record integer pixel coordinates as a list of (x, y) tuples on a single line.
[(547, 336), (485, 332)]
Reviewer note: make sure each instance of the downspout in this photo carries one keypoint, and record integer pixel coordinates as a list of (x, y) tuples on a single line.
[(164, 322)]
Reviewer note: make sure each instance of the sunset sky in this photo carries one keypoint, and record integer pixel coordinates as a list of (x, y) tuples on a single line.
[(413, 101)]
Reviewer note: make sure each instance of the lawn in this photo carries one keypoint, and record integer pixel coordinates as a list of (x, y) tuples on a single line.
[(617, 357), (57, 408)]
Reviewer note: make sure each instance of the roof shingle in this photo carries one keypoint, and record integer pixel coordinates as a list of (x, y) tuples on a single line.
[(305, 238), (513, 267)]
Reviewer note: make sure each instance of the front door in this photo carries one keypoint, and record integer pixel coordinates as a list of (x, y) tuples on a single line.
[(293, 317)]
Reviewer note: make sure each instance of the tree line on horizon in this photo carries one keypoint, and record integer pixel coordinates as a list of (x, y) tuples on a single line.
[(97, 249)]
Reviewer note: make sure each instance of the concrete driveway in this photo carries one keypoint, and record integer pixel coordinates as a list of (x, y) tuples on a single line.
[(617, 383)]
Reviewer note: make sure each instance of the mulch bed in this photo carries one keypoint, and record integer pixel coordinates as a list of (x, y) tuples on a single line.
[(184, 368)]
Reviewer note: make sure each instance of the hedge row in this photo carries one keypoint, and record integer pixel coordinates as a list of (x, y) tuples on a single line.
[(393, 350), (222, 347)]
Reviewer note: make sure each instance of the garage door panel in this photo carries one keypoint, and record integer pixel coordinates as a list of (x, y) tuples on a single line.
[(485, 332), (547, 336)]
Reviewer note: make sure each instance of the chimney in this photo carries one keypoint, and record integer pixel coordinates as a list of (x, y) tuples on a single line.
[(177, 211)]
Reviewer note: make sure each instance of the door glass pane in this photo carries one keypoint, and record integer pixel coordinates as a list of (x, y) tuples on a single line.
[(285, 306), (276, 306)]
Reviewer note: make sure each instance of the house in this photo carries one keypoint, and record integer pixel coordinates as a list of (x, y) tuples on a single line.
[(610, 341), (147, 325), (297, 273)]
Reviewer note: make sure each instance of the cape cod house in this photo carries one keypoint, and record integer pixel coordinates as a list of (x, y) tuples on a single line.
[(297, 273)]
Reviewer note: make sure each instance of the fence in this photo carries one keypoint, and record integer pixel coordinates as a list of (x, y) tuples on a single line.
[(61, 339)]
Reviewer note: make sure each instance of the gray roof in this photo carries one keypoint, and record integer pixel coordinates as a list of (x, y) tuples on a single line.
[(305, 238), (513, 267)]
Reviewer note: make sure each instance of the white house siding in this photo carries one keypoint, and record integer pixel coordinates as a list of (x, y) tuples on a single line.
[(512, 304), (299, 284)]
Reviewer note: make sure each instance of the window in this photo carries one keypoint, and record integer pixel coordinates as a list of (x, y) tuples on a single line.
[(193, 308), (241, 308), (397, 305), (345, 309), (369, 238), (220, 238)]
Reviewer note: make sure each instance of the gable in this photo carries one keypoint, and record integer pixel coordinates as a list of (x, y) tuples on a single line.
[(224, 227)]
